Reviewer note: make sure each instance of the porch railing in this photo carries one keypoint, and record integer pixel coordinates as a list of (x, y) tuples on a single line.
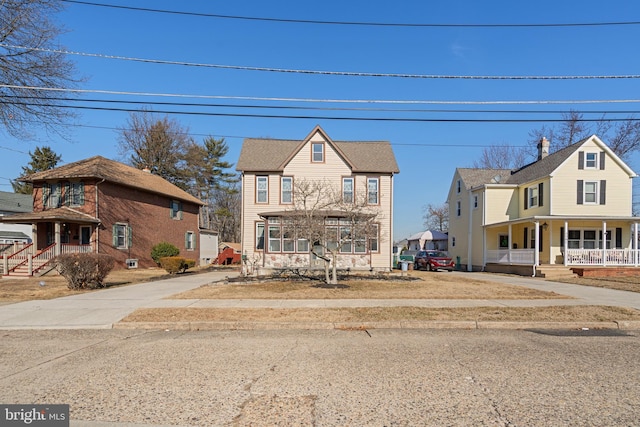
[(600, 257), (511, 256), (67, 248)]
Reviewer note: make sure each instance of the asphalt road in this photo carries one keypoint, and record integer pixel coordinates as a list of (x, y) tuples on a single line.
[(327, 378)]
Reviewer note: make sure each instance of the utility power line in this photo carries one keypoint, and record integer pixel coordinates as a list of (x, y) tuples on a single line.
[(356, 23), (329, 100), (322, 72)]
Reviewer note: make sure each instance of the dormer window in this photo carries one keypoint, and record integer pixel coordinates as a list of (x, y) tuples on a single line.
[(317, 152), (591, 160)]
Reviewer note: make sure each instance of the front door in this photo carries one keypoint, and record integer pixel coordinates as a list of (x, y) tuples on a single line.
[(85, 235)]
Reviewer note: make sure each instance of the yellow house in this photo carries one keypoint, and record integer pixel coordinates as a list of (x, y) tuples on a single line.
[(270, 170), (572, 208)]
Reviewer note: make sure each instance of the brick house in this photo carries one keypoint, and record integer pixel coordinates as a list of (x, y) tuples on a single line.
[(100, 205)]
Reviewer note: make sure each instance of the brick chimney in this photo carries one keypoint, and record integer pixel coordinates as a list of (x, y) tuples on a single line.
[(543, 148)]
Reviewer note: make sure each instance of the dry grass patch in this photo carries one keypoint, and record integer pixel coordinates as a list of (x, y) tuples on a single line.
[(431, 285), (373, 314)]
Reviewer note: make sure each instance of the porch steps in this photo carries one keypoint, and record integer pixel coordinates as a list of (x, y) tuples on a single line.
[(552, 272)]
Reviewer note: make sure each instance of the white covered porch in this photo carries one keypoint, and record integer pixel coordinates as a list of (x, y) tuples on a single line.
[(568, 241)]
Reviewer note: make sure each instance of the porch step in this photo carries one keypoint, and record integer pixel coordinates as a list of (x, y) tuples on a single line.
[(554, 272)]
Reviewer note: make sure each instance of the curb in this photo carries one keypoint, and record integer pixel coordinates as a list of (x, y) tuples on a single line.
[(349, 326)]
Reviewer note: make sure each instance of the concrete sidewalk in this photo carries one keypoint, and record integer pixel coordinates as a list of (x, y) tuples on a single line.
[(99, 309), (105, 308)]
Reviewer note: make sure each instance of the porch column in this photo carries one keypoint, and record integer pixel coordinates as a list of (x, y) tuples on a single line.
[(604, 242), (484, 248), (635, 244), (34, 237), (565, 239), (56, 250), (536, 253), (509, 244)]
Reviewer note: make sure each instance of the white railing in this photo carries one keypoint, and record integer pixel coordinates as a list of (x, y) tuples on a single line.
[(67, 248), (600, 257), (511, 256)]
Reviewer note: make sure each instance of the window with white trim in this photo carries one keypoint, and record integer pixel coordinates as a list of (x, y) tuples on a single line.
[(317, 152), (589, 239), (458, 208), (373, 197), (458, 186), (532, 196), (591, 160), (262, 189), (286, 189), (347, 190), (190, 240), (475, 201), (591, 192), (275, 233), (52, 195), (574, 237), (121, 236), (75, 194)]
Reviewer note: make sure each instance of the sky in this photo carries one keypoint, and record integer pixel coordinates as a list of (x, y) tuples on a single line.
[(206, 54)]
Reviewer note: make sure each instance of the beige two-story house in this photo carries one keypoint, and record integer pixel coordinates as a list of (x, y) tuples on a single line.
[(271, 171), (572, 207)]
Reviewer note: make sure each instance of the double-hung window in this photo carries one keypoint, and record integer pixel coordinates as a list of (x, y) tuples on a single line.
[(591, 160), (190, 240), (286, 189), (75, 194), (262, 189), (591, 192), (122, 237), (533, 196), (52, 195), (373, 196), (175, 209), (260, 235), (317, 152), (347, 190)]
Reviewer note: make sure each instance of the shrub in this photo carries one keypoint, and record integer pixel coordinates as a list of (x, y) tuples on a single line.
[(84, 271), (163, 249), (176, 264)]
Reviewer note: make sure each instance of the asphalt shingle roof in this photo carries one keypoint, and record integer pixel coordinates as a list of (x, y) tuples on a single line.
[(14, 202), (272, 155), (112, 171)]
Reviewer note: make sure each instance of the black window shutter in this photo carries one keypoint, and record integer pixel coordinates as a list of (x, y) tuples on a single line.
[(540, 231), (580, 191), (562, 238), (526, 237), (540, 194), (602, 157), (526, 198), (581, 160), (603, 192), (618, 238)]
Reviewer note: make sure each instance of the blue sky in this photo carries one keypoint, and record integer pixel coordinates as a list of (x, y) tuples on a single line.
[(427, 151)]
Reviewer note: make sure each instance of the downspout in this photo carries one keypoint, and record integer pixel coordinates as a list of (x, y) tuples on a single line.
[(390, 260), (97, 240)]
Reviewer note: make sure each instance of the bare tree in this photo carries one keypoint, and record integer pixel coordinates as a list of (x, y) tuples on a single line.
[(159, 144), (436, 217), (28, 65), (225, 211), (329, 223), (501, 157)]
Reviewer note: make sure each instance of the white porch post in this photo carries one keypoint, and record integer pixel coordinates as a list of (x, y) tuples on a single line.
[(565, 242), (56, 250), (509, 243), (34, 237), (604, 242), (484, 248), (635, 239), (536, 253)]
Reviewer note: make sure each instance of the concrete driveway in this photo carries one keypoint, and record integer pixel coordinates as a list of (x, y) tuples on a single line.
[(99, 309)]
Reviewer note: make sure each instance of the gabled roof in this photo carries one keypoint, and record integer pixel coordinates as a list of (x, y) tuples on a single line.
[(273, 155), (474, 177), (116, 172), (14, 202)]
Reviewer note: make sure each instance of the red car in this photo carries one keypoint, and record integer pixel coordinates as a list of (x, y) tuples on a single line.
[(432, 261)]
